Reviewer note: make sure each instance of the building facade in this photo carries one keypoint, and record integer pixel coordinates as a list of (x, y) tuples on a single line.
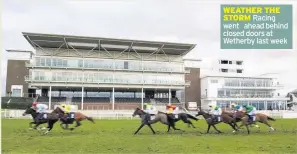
[(87, 69), (260, 92)]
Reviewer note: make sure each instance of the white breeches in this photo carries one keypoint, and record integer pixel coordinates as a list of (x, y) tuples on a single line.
[(253, 112), (217, 112)]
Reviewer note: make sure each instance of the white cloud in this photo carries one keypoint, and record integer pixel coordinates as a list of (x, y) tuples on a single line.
[(179, 21)]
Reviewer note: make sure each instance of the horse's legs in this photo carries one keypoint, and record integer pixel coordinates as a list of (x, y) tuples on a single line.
[(149, 125), (266, 123), (168, 128), (142, 124), (175, 128), (233, 127), (216, 129), (189, 123), (36, 125), (208, 128), (77, 124), (30, 125), (50, 125), (247, 127)]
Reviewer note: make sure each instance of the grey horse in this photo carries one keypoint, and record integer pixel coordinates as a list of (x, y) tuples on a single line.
[(161, 117)]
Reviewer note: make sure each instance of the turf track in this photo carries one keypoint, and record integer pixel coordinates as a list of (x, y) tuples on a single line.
[(116, 136)]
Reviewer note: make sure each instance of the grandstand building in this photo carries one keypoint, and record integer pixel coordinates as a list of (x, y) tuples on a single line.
[(260, 92), (102, 73)]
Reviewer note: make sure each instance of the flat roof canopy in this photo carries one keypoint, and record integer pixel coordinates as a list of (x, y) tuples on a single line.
[(109, 44)]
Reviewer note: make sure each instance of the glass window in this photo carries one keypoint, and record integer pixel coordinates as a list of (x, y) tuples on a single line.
[(48, 62), (72, 63), (42, 61), (37, 61), (80, 63), (59, 64), (54, 62), (16, 93), (64, 63)]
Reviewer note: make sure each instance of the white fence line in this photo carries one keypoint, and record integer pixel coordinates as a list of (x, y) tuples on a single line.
[(127, 114)]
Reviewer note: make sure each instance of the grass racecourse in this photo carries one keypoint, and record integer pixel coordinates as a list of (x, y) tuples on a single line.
[(116, 136)]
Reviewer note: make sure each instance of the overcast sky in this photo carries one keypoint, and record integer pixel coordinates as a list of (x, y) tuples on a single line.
[(179, 21)]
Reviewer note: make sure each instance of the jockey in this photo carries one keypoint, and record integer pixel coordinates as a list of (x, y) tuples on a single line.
[(171, 110), (251, 111), (66, 109), (40, 109), (147, 108), (236, 108), (217, 111)]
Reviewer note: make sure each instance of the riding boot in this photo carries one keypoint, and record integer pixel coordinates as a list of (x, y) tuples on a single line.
[(170, 119), (250, 118)]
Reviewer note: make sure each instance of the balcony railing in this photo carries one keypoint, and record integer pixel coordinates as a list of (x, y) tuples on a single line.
[(115, 67), (105, 81), (252, 85)]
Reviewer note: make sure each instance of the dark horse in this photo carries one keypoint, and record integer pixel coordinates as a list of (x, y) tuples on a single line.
[(210, 120), (51, 119), (65, 120), (161, 117)]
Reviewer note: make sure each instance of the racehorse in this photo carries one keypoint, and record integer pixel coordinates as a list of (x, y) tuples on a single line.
[(161, 117), (34, 114), (210, 120), (74, 116), (262, 118), (50, 118)]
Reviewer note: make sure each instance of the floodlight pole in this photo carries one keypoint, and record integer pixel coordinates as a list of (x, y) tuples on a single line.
[(169, 95), (50, 98), (82, 97), (142, 98), (112, 98)]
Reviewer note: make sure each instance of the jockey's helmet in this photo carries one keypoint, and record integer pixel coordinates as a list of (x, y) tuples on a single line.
[(63, 105), (233, 104), (244, 105), (34, 104)]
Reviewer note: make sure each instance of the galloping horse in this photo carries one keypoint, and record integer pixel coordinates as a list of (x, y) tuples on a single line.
[(262, 118), (77, 117), (161, 117), (51, 119), (210, 120)]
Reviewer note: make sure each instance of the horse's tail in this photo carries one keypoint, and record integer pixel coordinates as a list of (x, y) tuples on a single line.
[(192, 117), (270, 118), (90, 119)]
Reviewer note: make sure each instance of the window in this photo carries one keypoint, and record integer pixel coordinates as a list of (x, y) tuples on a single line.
[(224, 61), (48, 62), (16, 93), (214, 81), (224, 70), (42, 61), (239, 62), (38, 61), (239, 71)]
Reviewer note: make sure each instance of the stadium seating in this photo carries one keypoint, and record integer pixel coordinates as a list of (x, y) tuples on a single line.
[(166, 100), (91, 99)]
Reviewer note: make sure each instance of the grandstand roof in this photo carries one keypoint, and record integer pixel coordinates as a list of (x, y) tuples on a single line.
[(109, 44)]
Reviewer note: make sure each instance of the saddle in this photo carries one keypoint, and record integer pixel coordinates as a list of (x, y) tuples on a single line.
[(42, 116), (71, 115)]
